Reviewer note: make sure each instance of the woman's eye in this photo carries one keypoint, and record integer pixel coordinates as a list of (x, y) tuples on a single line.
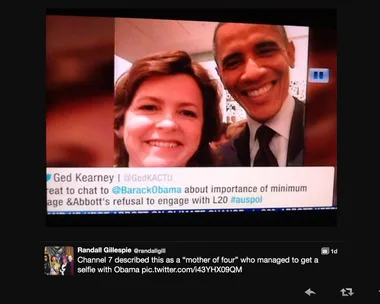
[(148, 107), (189, 113)]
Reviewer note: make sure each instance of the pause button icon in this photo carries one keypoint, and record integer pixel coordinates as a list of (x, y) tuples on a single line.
[(319, 75)]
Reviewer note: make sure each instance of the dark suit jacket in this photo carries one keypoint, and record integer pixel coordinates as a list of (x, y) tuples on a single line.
[(236, 152)]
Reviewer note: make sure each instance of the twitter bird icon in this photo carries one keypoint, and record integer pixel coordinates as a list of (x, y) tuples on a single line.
[(48, 177)]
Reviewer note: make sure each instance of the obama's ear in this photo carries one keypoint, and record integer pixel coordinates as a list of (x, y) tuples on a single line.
[(291, 51)]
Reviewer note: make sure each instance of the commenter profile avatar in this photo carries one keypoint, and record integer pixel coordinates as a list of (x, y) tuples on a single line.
[(59, 261)]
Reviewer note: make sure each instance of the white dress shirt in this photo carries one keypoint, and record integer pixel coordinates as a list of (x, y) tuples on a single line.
[(281, 125)]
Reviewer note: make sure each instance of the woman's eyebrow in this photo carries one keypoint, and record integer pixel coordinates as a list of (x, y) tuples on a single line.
[(159, 100), (148, 97)]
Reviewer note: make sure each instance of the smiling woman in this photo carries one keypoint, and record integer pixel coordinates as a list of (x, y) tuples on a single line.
[(166, 113)]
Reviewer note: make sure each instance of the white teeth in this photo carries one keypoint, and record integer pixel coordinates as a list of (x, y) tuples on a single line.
[(262, 90), (163, 144)]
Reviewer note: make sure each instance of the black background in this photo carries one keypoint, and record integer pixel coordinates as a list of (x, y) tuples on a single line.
[(357, 225)]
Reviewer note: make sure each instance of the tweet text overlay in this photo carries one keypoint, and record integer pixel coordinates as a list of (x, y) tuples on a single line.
[(179, 258), (118, 190)]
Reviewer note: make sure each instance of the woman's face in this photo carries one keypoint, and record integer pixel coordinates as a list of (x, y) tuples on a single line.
[(163, 125)]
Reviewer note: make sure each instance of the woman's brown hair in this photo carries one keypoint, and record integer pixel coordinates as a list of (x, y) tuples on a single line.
[(169, 63)]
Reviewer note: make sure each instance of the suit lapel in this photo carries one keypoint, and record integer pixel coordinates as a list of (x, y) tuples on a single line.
[(296, 140), (296, 136), (241, 146)]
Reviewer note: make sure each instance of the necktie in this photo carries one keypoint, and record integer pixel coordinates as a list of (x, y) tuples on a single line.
[(265, 157)]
